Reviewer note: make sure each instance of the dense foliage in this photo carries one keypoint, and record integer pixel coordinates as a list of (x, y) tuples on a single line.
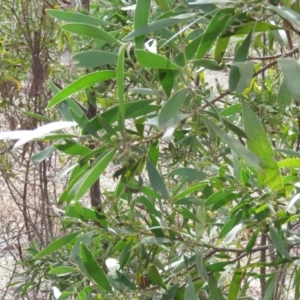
[(204, 190)]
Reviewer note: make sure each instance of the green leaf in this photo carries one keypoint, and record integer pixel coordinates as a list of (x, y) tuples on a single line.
[(214, 291), (155, 241), (209, 64), (156, 180), (72, 148), (228, 199), (249, 157), (151, 60), (291, 72), (141, 16), (229, 225), (235, 285), (158, 25), (241, 71), (86, 214), (289, 163), (90, 31), (94, 58), (59, 243), (64, 106), (155, 277), (287, 13), (84, 123), (270, 288), (107, 127), (201, 268), (171, 293), (289, 152), (187, 214), (220, 48), (231, 110), (132, 110), (125, 255), (156, 228), (191, 189), (189, 173), (252, 241), (242, 53), (171, 108), (63, 271), (92, 267), (217, 196), (250, 27), (76, 17), (91, 176), (240, 76), (85, 239), (215, 27), (120, 89), (189, 201), (218, 267), (166, 78), (278, 242), (80, 84), (190, 293), (163, 5), (143, 91), (229, 125), (149, 205), (258, 143), (284, 96), (42, 155), (37, 116)]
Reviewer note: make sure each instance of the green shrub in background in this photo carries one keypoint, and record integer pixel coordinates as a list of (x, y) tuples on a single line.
[(205, 202)]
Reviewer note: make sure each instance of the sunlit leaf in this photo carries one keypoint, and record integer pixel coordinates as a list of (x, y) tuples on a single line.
[(40, 132), (63, 271), (235, 285), (249, 157), (259, 143)]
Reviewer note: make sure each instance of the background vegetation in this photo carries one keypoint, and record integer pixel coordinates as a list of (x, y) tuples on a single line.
[(202, 201)]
